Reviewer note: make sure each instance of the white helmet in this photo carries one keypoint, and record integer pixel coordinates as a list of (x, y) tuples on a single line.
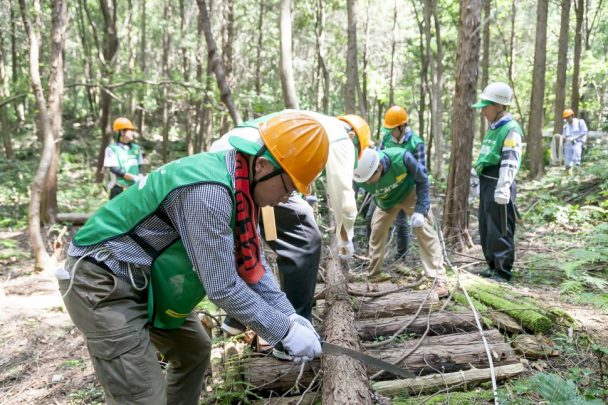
[(498, 92), (368, 163)]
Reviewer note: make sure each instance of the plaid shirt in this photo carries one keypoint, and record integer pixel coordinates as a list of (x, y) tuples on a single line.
[(200, 216)]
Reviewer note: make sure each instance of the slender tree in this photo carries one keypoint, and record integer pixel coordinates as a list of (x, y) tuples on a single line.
[(286, 63), (562, 64), (216, 65), (45, 122), (456, 212), (424, 77), (485, 56), (258, 55), (6, 135), (391, 80), (579, 6), (166, 43), (323, 96), (535, 124)]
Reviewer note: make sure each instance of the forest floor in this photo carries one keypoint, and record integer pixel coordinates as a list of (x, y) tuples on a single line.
[(43, 358)]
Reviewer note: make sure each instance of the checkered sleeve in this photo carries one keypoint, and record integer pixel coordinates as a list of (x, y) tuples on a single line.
[(202, 215)]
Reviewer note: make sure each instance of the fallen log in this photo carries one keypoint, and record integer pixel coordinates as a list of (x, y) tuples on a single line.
[(73, 218), (439, 382), (393, 304), (439, 353), (534, 347), (441, 323), (344, 378)]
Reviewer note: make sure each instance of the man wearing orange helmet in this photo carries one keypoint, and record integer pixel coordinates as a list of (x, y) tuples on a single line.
[(298, 243), (123, 157), (397, 133), (575, 132), (143, 261)]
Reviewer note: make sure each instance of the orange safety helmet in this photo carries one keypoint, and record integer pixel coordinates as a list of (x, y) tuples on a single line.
[(361, 129), (299, 144), (567, 113), (395, 116), (121, 123)]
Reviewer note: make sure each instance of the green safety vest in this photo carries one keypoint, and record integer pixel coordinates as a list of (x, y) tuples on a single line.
[(128, 161), (491, 147), (174, 288), (410, 145), (395, 184)]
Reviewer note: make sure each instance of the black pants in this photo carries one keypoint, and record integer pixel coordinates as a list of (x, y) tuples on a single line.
[(114, 191), (298, 247), (498, 250), (402, 228)]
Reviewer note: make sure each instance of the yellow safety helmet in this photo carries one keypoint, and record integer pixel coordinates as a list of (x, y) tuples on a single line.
[(395, 116), (568, 112), (122, 123), (361, 129)]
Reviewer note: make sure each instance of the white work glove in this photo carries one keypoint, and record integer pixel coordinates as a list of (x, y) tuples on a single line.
[(302, 342), (502, 197), (417, 220), (346, 249), (137, 178)]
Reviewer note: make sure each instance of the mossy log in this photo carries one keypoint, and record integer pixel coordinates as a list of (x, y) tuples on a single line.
[(526, 314), (437, 382), (393, 304), (441, 323)]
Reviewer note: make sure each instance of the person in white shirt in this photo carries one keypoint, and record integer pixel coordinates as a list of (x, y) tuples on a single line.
[(575, 132)]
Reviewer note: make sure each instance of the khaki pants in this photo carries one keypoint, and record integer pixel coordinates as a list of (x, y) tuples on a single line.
[(113, 316), (431, 254)]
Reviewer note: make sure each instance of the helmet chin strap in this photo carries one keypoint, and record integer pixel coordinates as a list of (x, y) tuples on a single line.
[(255, 182)]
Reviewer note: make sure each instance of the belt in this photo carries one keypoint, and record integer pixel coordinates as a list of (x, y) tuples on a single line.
[(91, 259)]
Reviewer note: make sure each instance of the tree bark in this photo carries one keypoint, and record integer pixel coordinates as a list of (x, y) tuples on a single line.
[(6, 135), (140, 117), (228, 40), (352, 71), (41, 256), (344, 380), (485, 58), (391, 80), (188, 103), (323, 97), (286, 61), (87, 59), (166, 41), (579, 6), (110, 47), (438, 100), (15, 66), (424, 77), (363, 101), (440, 323), (535, 123), (433, 383), (216, 64), (562, 65), (258, 56), (55, 108), (456, 211)]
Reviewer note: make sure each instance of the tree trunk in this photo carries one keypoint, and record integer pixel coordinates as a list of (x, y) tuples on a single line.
[(87, 59), (391, 80), (322, 101), (141, 115), (456, 210), (15, 68), (512, 64), (166, 41), (438, 100), (216, 64), (562, 65), (286, 61), (363, 101), (424, 77), (535, 123), (258, 56), (228, 40), (6, 134), (188, 102), (48, 206), (485, 59), (344, 380), (41, 256), (352, 71), (110, 46), (440, 323), (579, 6)]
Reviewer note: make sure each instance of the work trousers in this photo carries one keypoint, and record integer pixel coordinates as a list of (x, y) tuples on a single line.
[(431, 254), (402, 229), (298, 249), (113, 317), (498, 250), (573, 153)]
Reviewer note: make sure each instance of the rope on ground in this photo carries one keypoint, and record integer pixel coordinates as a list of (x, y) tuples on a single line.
[(475, 314)]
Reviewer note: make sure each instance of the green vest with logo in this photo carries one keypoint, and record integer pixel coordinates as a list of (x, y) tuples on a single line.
[(128, 161), (491, 147), (395, 184), (174, 289), (410, 145)]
